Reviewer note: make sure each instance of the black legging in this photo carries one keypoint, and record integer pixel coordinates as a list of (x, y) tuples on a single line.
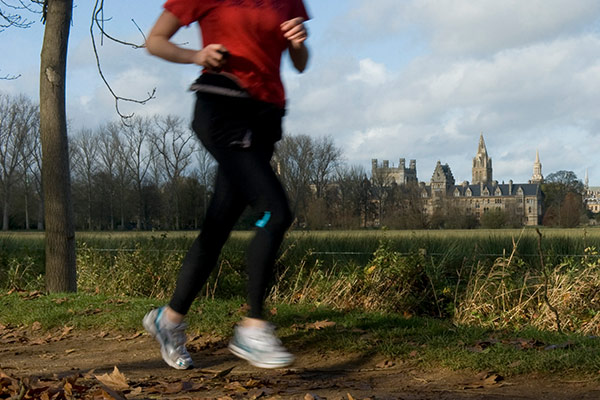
[(244, 177)]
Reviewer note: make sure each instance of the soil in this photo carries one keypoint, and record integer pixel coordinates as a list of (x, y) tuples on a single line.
[(50, 358)]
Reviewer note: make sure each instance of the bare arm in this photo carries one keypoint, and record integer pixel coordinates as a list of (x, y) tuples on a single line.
[(295, 32), (159, 44)]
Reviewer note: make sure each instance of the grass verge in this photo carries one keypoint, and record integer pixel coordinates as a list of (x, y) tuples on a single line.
[(419, 342)]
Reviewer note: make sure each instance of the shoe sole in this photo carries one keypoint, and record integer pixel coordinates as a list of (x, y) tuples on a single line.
[(150, 326), (244, 355)]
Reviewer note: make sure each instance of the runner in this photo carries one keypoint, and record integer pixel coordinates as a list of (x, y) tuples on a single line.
[(239, 109)]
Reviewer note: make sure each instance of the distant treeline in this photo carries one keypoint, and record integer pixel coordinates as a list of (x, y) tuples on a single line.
[(152, 173)]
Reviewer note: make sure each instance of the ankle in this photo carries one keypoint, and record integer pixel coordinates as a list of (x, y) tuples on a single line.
[(248, 322), (172, 316)]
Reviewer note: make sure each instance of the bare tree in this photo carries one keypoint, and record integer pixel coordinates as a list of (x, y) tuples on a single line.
[(31, 159), (354, 195), (136, 154), (109, 149), (293, 161), (60, 231), (174, 147), (326, 157), (206, 171), (85, 152), (17, 119)]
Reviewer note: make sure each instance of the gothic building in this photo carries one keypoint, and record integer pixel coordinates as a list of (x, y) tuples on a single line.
[(398, 175), (521, 201)]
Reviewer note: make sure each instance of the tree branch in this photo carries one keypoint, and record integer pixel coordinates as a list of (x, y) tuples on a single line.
[(98, 21)]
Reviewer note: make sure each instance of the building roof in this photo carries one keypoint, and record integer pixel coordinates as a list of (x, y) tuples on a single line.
[(529, 189)]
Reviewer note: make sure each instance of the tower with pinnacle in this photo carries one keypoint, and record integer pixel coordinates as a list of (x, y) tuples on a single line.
[(482, 164), (537, 176)]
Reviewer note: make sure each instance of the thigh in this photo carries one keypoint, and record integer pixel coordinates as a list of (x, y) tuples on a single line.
[(249, 174)]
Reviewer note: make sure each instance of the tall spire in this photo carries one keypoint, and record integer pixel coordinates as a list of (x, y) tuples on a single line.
[(481, 149), (587, 180), (537, 176), (482, 164)]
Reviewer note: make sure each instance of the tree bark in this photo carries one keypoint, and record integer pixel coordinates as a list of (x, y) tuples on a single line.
[(60, 233)]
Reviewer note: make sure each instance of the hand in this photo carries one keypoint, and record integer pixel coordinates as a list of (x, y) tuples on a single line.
[(294, 31), (213, 56)]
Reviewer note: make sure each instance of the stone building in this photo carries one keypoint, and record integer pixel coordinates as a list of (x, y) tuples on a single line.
[(398, 175), (592, 196), (520, 201)]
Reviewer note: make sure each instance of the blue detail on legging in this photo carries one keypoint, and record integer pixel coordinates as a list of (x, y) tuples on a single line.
[(261, 223)]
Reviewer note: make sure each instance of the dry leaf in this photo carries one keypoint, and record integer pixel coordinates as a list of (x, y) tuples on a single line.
[(385, 364), (310, 396), (493, 379), (223, 373), (320, 325), (69, 351), (116, 380), (135, 336), (350, 397), (36, 326), (235, 385)]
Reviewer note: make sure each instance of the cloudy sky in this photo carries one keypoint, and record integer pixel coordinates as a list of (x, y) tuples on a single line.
[(388, 79)]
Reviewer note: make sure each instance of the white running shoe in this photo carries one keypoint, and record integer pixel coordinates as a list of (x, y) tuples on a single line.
[(172, 339), (260, 347)]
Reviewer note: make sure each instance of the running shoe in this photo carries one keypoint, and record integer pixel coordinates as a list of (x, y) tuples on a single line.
[(260, 347), (171, 338)]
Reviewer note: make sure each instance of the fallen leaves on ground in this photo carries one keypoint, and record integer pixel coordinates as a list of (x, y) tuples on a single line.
[(385, 364), (115, 380), (116, 386), (318, 325), (485, 380), (10, 334), (481, 346)]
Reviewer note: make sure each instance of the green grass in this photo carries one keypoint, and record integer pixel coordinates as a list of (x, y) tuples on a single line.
[(422, 342)]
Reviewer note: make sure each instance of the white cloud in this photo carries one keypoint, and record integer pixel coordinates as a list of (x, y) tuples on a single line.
[(527, 75), (370, 72)]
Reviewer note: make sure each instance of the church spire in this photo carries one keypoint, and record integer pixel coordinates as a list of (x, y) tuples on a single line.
[(482, 164), (537, 176), (481, 149)]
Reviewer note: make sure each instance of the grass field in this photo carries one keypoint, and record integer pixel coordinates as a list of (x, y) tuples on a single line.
[(463, 299)]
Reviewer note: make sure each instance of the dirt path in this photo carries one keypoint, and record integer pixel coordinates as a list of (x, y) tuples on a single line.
[(328, 376)]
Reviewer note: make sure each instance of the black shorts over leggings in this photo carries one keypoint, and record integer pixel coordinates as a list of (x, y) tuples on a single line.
[(240, 133)]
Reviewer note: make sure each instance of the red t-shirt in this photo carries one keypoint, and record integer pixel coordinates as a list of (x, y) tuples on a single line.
[(250, 30)]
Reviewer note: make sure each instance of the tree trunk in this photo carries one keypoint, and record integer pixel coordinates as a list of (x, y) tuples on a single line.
[(60, 232), (5, 213), (26, 211)]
